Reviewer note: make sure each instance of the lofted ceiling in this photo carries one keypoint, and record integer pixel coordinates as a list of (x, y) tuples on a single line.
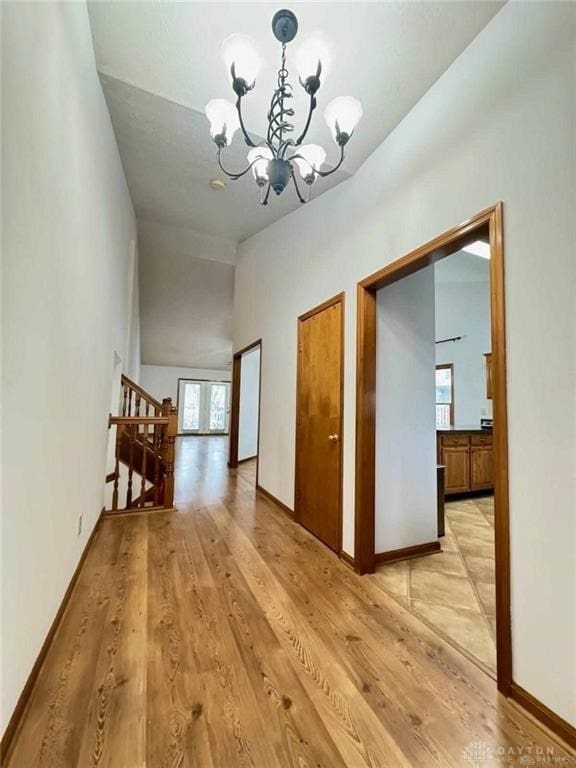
[(159, 64)]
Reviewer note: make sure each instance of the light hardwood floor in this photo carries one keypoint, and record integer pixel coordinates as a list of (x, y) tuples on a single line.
[(224, 635)]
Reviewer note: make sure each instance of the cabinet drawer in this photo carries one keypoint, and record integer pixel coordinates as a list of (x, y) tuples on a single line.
[(481, 439), (454, 441)]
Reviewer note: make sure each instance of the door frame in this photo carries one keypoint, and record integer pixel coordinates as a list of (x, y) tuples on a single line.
[(340, 298), (235, 406), (488, 222)]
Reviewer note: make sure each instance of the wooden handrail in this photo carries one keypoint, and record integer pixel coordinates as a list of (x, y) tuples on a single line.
[(135, 420), (142, 392)]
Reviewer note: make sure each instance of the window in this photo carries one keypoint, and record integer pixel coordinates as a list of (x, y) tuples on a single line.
[(203, 406), (444, 395)]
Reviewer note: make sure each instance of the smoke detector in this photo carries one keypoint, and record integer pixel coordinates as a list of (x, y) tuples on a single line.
[(217, 184)]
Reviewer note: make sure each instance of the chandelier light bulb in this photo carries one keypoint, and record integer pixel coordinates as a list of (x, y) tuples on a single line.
[(312, 51), (261, 156), (239, 50), (224, 121), (312, 158), (342, 115)]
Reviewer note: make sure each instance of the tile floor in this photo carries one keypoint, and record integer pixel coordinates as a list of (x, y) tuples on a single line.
[(454, 591)]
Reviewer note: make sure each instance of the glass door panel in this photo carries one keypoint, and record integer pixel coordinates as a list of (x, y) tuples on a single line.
[(217, 413), (191, 411)]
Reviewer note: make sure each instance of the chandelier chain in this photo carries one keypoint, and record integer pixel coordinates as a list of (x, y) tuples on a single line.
[(277, 122)]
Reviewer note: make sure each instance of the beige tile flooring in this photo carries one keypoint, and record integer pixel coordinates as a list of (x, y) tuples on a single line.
[(453, 591)]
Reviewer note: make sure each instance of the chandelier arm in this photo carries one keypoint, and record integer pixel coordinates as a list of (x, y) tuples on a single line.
[(247, 138), (323, 174), (265, 201), (311, 109), (231, 175), (300, 198)]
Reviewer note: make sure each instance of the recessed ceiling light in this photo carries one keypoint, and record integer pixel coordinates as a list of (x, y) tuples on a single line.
[(478, 248), (217, 184)]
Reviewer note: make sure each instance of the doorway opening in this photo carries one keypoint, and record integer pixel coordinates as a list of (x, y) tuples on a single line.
[(245, 412), (433, 406), (319, 421), (486, 226)]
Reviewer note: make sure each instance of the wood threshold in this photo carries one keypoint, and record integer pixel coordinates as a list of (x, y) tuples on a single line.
[(270, 496), (19, 710), (407, 553)]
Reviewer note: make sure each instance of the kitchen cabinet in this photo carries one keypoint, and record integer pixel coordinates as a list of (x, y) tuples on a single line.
[(481, 463), (467, 456)]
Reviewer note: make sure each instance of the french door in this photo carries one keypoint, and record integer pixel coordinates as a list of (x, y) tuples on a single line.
[(203, 407)]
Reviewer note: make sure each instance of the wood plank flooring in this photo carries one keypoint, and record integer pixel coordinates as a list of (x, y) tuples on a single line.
[(225, 635)]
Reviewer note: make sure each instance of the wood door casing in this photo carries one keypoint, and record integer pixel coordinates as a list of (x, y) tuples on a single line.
[(319, 411)]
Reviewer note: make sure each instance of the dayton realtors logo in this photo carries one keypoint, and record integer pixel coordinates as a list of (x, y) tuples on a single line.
[(479, 754)]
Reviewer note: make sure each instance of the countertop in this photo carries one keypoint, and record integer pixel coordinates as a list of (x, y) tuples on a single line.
[(458, 428)]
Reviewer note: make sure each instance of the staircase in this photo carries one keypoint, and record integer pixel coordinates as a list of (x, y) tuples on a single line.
[(144, 454)]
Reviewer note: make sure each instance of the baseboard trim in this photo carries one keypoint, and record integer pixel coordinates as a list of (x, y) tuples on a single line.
[(348, 560), (543, 714), (248, 458), (273, 499), (22, 703), (407, 552), (108, 513)]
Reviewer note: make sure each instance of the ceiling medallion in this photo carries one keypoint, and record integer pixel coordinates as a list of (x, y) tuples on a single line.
[(274, 161)]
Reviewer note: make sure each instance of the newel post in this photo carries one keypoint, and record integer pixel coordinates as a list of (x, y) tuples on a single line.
[(168, 449)]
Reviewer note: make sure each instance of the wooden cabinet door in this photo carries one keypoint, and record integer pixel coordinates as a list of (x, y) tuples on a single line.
[(457, 473), (319, 423), (481, 468)]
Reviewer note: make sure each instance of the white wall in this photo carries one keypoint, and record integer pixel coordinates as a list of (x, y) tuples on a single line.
[(498, 125), (67, 228), (463, 309), (162, 380), (249, 403), (405, 417)]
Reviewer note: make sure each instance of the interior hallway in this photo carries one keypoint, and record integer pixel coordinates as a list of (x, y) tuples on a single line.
[(225, 635)]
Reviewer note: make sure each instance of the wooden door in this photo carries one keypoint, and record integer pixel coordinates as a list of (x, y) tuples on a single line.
[(318, 498)]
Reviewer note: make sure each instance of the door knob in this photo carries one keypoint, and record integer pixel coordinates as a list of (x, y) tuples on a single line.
[(332, 437)]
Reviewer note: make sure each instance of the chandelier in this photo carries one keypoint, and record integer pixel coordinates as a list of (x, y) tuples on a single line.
[(280, 158)]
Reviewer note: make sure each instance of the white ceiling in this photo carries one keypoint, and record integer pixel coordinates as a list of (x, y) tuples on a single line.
[(387, 54), (159, 63)]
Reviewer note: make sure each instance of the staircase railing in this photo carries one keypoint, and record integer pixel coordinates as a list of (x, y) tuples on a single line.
[(145, 444)]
